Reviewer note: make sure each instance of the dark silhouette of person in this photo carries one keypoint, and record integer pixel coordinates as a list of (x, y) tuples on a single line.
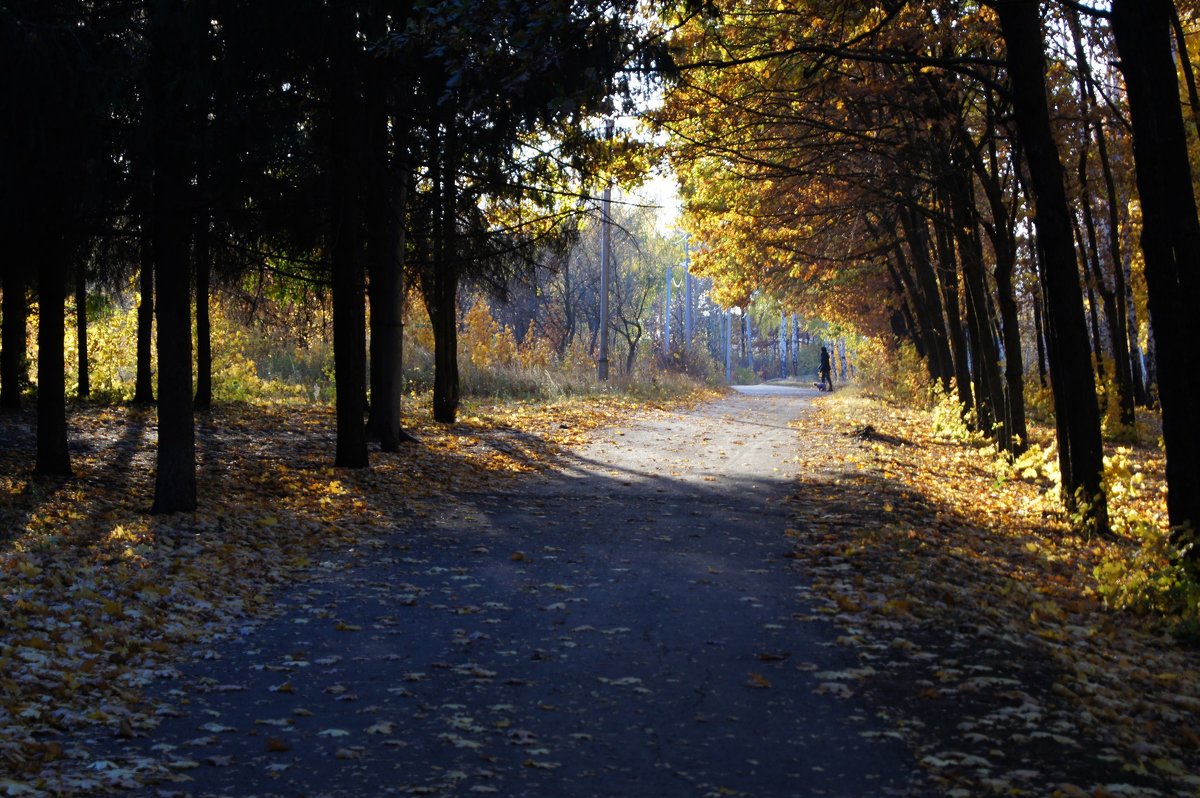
[(826, 381)]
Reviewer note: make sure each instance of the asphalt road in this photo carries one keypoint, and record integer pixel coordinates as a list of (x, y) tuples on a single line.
[(629, 626)]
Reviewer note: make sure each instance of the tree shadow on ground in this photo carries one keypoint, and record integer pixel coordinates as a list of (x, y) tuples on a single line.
[(946, 614)]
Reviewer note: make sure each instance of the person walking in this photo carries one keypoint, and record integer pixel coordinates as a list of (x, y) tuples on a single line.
[(826, 380)]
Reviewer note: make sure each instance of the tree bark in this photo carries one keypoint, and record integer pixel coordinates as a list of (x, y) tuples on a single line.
[(1170, 241), (1081, 453), (916, 234), (203, 261), (83, 384), (143, 388), (441, 292), (346, 254), (947, 276), (1113, 298), (53, 458), (393, 295), (175, 478), (1185, 65), (905, 322), (388, 201), (1040, 333), (990, 400), (1000, 232), (13, 341)]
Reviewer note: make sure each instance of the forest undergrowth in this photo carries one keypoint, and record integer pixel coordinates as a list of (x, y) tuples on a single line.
[(985, 627)]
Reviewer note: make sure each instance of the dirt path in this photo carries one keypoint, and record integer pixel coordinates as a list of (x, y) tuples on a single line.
[(627, 627)]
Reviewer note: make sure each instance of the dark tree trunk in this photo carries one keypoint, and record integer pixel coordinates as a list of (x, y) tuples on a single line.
[(568, 308), (906, 323), (143, 387), (990, 399), (947, 273), (440, 291), (440, 287), (1081, 453), (1170, 241), (346, 252), (13, 341), (1113, 298), (387, 323), (170, 225), (376, 213), (1040, 331), (918, 317), (1001, 235), (1185, 63), (203, 260), (53, 458), (1093, 313), (143, 390), (915, 233), (83, 384), (202, 235), (388, 200)]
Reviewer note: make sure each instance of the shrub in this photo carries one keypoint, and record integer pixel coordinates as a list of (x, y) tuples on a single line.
[(1151, 578), (951, 419), (898, 373)]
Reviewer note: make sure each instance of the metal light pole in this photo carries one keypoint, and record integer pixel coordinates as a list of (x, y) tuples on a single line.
[(605, 245)]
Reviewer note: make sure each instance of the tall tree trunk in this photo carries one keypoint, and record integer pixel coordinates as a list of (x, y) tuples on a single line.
[(992, 416), (1092, 306), (83, 383), (175, 478), (1185, 64), (13, 341), (203, 261), (392, 330), (388, 200), (916, 234), (441, 295), (1040, 331), (1081, 453), (1170, 241), (201, 235), (376, 211), (905, 323), (568, 308), (53, 459), (346, 254), (143, 390), (440, 291), (947, 274), (1004, 246), (143, 387), (1113, 298)]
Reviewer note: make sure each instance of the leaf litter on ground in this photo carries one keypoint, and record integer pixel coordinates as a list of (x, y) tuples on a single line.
[(974, 610), (970, 603), (97, 596)]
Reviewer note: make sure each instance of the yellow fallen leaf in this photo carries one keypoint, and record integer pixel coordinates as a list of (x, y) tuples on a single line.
[(757, 680)]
